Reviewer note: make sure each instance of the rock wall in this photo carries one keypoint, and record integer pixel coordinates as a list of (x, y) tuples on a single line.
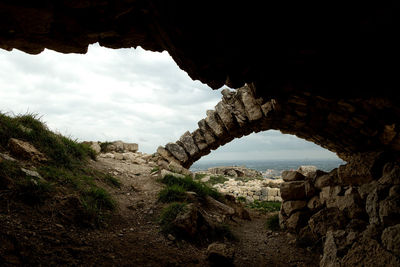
[(353, 211)]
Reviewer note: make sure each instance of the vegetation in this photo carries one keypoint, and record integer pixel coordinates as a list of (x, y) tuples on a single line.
[(265, 206), (199, 176), (272, 223), (155, 169), (64, 173), (189, 184), (168, 215), (172, 193), (103, 146), (241, 199), (217, 180)]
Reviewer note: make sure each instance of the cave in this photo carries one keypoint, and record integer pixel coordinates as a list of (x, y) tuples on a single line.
[(325, 72)]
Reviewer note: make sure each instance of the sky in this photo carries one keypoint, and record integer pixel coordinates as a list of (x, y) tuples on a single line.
[(131, 95)]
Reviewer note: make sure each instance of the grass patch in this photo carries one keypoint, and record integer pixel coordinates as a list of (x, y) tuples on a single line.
[(199, 176), (111, 180), (64, 173), (172, 194), (265, 206), (272, 223), (217, 180), (155, 169), (189, 184), (241, 199), (168, 215)]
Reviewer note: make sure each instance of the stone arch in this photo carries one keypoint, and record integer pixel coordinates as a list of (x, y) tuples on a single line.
[(339, 126)]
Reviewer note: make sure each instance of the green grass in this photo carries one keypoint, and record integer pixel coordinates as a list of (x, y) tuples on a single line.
[(168, 215), (265, 206), (172, 193), (155, 169), (111, 180), (199, 176), (217, 180), (60, 150), (241, 199), (189, 184), (272, 223), (64, 173), (103, 146)]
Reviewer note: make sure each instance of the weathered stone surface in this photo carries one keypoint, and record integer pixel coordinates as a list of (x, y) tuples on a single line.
[(293, 190), (212, 122), (225, 115), (220, 254), (25, 150), (326, 219), (314, 203), (164, 173), (165, 154), (389, 210), (235, 171), (328, 195), (186, 221), (199, 139), (177, 151), (297, 220), (131, 147), (391, 239), (289, 176), (188, 144), (307, 170), (330, 258), (208, 136), (95, 146), (325, 180), (253, 110), (290, 207)]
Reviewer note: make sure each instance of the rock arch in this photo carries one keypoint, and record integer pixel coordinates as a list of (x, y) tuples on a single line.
[(342, 126)]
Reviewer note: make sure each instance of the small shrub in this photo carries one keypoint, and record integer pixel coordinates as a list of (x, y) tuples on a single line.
[(172, 193), (272, 223), (217, 180), (189, 184), (199, 176), (111, 180), (265, 206), (168, 215), (241, 199), (103, 146)]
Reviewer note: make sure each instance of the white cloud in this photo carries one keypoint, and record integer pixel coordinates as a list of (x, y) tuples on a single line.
[(128, 94)]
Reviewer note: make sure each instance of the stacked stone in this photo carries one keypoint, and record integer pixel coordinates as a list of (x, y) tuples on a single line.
[(239, 113), (354, 209), (251, 190)]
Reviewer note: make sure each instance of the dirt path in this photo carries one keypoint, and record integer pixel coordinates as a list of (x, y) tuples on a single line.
[(258, 246)]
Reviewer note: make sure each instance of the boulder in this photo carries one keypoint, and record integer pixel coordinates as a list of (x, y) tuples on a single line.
[(391, 239), (118, 146), (297, 220), (177, 151), (330, 258), (314, 203), (328, 195), (326, 219), (188, 144), (131, 147), (289, 207), (289, 176), (293, 190), (389, 210), (220, 254), (95, 146), (164, 173), (307, 170), (186, 221), (25, 150)]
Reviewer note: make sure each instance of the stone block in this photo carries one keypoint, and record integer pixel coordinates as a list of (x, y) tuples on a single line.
[(289, 207), (293, 190), (289, 176)]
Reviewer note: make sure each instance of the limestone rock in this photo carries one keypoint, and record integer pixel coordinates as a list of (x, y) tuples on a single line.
[(164, 173), (212, 122), (206, 132), (225, 115), (307, 170), (389, 210), (165, 154), (329, 258), (186, 221), (220, 254), (131, 147), (199, 140), (188, 144), (323, 181), (289, 176), (290, 207), (293, 190), (177, 151), (314, 203), (253, 110), (328, 195), (25, 150), (95, 146), (326, 219), (297, 220), (391, 239)]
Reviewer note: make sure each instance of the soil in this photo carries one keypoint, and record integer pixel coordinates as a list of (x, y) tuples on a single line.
[(39, 236)]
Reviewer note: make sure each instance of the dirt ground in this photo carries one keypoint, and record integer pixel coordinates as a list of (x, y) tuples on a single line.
[(36, 237)]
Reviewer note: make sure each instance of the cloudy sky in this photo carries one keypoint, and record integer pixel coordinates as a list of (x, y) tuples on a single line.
[(127, 94)]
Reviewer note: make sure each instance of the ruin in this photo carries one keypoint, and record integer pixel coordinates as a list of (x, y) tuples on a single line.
[(323, 72)]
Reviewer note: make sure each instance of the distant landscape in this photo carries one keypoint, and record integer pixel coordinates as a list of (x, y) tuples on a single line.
[(274, 166)]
